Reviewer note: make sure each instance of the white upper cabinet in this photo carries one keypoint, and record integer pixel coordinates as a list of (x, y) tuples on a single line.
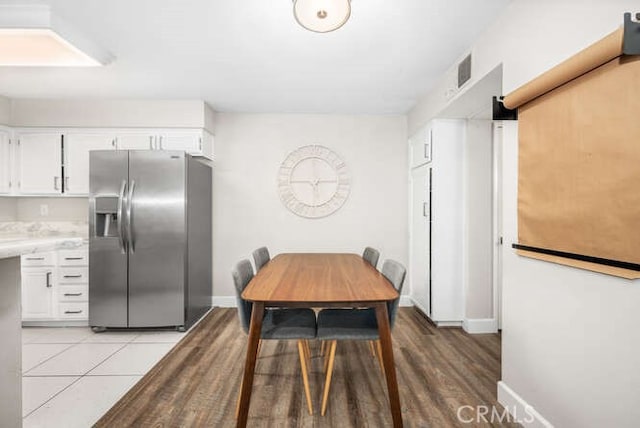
[(195, 142), (76, 162), (421, 146), (135, 141), (55, 161), (40, 163), (5, 163)]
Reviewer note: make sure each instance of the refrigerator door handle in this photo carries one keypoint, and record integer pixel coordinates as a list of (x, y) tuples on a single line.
[(130, 216), (120, 214)]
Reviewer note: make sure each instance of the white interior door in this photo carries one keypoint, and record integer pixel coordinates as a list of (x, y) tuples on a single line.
[(76, 165)]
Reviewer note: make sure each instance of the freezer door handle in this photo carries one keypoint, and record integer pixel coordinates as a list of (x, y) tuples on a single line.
[(130, 235), (123, 248)]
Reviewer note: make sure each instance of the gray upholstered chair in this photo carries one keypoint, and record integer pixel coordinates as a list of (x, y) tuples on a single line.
[(278, 324), (371, 255), (357, 324), (261, 257)]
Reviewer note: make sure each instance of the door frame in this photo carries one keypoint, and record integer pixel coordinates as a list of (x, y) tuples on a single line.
[(497, 231)]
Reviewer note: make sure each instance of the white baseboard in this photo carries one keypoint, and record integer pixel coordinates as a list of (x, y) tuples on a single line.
[(519, 409), (224, 301), (480, 325), (65, 323)]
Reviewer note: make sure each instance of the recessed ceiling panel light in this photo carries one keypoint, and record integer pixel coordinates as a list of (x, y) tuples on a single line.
[(31, 36)]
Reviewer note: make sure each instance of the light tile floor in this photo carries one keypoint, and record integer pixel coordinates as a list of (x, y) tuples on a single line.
[(72, 376)]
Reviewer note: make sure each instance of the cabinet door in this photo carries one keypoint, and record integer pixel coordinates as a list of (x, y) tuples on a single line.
[(5, 163), (420, 273), (38, 293), (189, 141), (76, 163), (135, 141), (40, 159), (421, 147)]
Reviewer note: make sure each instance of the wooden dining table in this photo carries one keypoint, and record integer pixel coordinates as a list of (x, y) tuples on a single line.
[(314, 281)]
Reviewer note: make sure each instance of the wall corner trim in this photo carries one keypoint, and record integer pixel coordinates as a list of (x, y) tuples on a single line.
[(480, 325), (406, 301), (224, 301), (519, 409)]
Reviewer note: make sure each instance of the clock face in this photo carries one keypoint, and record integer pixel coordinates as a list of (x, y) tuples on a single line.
[(313, 182)]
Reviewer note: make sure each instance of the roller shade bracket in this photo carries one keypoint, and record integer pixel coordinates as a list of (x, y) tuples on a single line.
[(500, 112), (631, 40), (581, 257)]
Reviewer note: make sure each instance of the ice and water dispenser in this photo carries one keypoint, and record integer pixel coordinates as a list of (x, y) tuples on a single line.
[(106, 212)]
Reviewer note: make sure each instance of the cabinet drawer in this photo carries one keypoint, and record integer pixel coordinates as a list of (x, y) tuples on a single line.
[(38, 259), (71, 275), (73, 293), (78, 257), (73, 310)]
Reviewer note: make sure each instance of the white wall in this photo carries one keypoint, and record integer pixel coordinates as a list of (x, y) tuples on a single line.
[(5, 110), (8, 209), (478, 221), (569, 340), (111, 113), (248, 212)]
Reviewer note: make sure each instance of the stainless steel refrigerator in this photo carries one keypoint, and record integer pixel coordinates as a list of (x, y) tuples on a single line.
[(149, 239)]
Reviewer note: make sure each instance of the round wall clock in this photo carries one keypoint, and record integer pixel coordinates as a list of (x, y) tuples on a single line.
[(313, 182)]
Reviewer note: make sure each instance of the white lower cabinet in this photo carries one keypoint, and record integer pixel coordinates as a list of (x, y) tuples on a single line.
[(55, 286), (38, 293)]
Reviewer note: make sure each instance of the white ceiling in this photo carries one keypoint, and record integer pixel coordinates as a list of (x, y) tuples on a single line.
[(251, 55)]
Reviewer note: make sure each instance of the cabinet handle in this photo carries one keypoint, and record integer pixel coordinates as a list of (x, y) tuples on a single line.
[(424, 209), (200, 143), (55, 183), (160, 142), (73, 258), (72, 276), (35, 258), (73, 294), (151, 142), (73, 312), (113, 142), (66, 183), (48, 279)]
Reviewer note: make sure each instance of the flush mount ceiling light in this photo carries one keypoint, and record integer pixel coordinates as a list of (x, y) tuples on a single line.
[(33, 36), (322, 16)]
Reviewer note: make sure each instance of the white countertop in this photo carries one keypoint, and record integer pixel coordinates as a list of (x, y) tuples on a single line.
[(18, 245)]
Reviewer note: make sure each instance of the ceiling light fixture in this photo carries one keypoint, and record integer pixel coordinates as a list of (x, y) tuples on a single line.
[(32, 36), (322, 16)]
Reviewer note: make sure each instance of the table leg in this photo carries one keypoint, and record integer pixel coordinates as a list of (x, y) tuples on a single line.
[(257, 313), (384, 331)]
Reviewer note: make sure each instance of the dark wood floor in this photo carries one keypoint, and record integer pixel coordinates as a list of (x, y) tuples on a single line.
[(197, 383)]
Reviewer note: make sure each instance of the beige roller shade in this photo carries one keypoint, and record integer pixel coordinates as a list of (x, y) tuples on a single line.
[(579, 161)]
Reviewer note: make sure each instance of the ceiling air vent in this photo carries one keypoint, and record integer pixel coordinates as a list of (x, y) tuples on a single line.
[(464, 71)]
